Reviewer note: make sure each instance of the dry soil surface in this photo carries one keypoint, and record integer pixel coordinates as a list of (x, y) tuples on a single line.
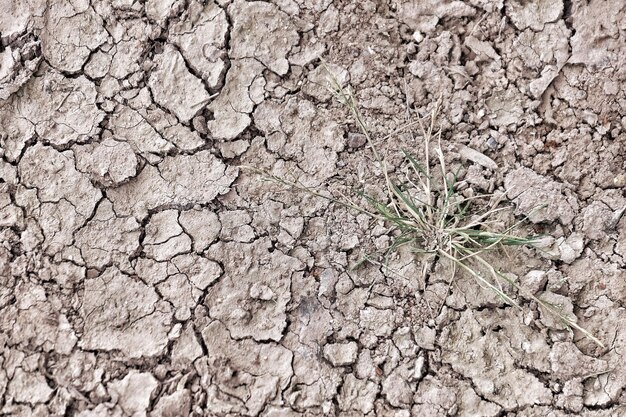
[(143, 272)]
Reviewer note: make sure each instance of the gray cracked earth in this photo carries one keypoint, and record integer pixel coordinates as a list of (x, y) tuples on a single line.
[(143, 273)]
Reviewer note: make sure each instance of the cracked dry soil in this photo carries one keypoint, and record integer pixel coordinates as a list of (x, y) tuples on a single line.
[(142, 273)]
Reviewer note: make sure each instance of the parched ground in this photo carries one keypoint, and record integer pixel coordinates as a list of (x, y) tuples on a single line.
[(144, 272)]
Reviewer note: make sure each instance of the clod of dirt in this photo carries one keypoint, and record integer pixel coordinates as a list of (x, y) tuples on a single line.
[(60, 189), (271, 42), (29, 387), (356, 140), (317, 81), (108, 163), (246, 266), (202, 225), (107, 239), (424, 16), (17, 66), (133, 392), (232, 107), (181, 294), (474, 355), (477, 157), (441, 398), (182, 180), (568, 362), (357, 395), (396, 388), (572, 396), (533, 14), (560, 302), (540, 198), (126, 56), (62, 110), (505, 107), (164, 237), (130, 126), (482, 49), (571, 248), (591, 278), (596, 42), (546, 51), (253, 374), (22, 13), (79, 371), (201, 272), (186, 348), (236, 226), (379, 322), (597, 219), (175, 88), (121, 313), (341, 354), (201, 37), (9, 214), (71, 32), (176, 404), (535, 281)]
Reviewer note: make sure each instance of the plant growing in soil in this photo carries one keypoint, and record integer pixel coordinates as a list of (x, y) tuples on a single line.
[(428, 214)]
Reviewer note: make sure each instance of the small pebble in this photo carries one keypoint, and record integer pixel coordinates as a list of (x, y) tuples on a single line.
[(356, 140), (492, 143)]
